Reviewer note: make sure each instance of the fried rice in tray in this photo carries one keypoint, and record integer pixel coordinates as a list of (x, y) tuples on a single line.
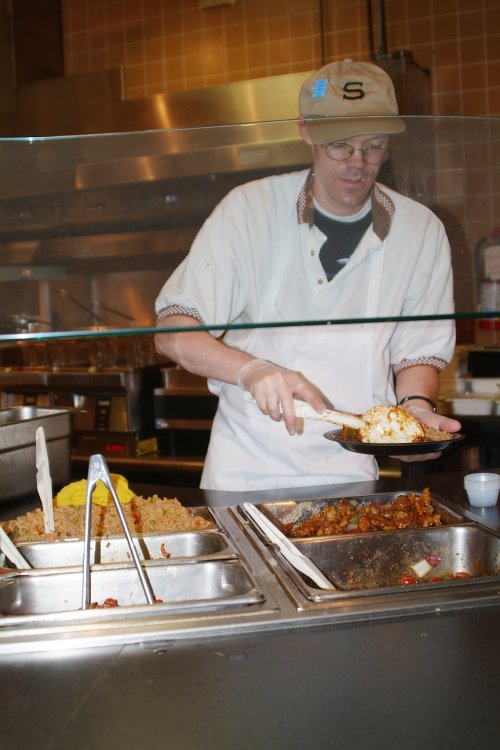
[(143, 516)]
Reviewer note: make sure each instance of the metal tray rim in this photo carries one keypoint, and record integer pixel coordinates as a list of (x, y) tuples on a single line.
[(228, 553), (42, 542)]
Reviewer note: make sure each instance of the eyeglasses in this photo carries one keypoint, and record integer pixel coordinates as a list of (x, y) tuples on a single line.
[(339, 151)]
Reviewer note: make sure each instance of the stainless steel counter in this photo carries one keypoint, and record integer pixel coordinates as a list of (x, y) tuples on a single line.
[(393, 679)]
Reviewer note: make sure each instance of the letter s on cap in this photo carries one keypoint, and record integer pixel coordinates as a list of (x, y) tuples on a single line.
[(353, 90)]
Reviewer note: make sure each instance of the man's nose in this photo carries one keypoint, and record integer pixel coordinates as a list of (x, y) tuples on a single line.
[(357, 156)]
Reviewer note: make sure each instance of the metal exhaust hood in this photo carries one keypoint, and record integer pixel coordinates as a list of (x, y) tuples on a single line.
[(157, 164)]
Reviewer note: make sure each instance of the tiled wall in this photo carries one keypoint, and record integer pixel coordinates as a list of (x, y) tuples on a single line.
[(169, 45)]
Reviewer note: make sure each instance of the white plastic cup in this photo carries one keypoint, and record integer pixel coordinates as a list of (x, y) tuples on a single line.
[(482, 488)]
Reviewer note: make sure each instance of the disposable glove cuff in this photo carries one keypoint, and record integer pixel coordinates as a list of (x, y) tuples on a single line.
[(248, 369)]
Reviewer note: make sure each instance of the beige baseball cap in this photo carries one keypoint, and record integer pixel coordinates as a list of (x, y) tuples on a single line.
[(347, 98)]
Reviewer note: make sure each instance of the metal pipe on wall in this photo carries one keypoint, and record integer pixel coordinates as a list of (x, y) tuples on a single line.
[(369, 15), (382, 34), (382, 50), (321, 9)]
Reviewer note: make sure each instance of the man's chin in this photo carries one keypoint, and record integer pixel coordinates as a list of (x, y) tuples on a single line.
[(350, 200)]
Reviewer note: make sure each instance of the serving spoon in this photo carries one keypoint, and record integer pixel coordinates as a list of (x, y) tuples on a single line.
[(305, 411), (379, 424), (290, 552), (44, 481), (10, 551)]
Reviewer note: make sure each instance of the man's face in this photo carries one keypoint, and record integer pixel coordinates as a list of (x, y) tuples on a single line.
[(342, 187)]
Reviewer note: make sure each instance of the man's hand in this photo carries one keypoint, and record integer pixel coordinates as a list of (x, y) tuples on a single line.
[(431, 419), (274, 389)]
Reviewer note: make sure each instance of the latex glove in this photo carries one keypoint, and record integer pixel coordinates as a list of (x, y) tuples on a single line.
[(274, 388), (431, 419)]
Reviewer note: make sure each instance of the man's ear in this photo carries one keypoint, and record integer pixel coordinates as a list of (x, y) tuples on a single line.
[(304, 131)]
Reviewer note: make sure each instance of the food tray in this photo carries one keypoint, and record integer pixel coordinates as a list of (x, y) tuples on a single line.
[(199, 511), (376, 562), (28, 596), (178, 545), (288, 510)]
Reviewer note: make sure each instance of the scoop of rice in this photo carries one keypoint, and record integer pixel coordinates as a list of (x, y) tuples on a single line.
[(390, 424)]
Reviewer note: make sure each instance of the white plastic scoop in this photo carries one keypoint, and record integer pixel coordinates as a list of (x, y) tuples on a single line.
[(379, 424), (289, 551), (10, 551), (304, 411), (44, 481)]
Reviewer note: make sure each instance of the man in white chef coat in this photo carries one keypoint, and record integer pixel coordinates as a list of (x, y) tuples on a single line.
[(328, 243)]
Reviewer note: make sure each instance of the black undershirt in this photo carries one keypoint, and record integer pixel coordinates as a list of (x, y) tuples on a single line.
[(342, 238)]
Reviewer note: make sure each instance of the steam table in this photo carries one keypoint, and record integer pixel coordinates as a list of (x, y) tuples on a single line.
[(421, 681)]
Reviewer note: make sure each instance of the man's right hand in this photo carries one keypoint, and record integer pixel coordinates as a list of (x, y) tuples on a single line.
[(274, 388)]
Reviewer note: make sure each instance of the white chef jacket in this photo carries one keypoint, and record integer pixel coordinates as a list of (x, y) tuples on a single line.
[(255, 260)]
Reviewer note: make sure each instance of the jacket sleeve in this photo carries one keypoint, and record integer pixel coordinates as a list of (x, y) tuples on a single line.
[(210, 283), (430, 340)]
